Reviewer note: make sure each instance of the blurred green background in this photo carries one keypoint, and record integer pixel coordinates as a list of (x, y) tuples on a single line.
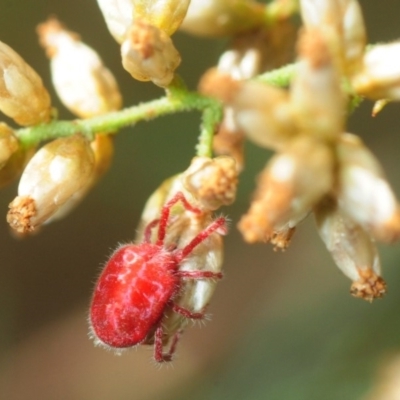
[(284, 325)]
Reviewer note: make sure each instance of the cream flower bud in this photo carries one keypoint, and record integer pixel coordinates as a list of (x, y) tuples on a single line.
[(22, 94), (290, 185), (53, 175), (259, 50), (8, 144), (352, 249), (166, 15), (261, 111), (103, 150), (363, 191), (316, 96), (213, 182), (222, 17), (87, 88), (229, 139), (342, 24), (118, 15), (379, 76), (184, 225), (14, 166), (148, 54)]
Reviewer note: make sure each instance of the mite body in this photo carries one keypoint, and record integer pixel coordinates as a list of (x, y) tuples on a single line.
[(140, 282)]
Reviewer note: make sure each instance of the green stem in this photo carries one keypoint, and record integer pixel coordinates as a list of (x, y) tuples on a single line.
[(178, 99)]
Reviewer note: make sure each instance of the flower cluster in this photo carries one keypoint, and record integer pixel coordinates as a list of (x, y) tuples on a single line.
[(298, 111), (318, 168)]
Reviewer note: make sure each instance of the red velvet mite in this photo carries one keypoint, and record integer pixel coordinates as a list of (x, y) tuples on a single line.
[(138, 284)]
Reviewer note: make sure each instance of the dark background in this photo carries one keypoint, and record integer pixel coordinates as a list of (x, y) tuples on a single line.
[(284, 325)]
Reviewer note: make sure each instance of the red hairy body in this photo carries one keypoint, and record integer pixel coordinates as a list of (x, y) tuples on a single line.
[(131, 294), (140, 281)]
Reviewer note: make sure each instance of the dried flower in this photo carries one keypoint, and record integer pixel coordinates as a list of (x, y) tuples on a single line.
[(148, 54), (352, 249), (53, 175), (212, 182), (87, 88), (22, 94)]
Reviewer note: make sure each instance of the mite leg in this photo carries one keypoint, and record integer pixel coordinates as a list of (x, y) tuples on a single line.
[(199, 274), (218, 224), (187, 313), (159, 356), (166, 211)]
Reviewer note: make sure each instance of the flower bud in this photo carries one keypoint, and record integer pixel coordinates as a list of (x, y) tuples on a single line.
[(148, 54), (213, 182), (316, 96), (87, 88), (379, 77), (8, 144), (363, 191), (342, 25), (14, 166), (229, 140), (251, 53), (290, 185), (222, 17), (184, 225), (166, 15), (22, 94), (103, 150), (352, 249), (118, 15), (57, 171), (261, 111)]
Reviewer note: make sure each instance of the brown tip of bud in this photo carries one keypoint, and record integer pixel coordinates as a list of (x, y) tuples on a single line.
[(218, 85), (22, 209), (369, 287), (142, 38), (281, 240), (46, 32), (312, 47)]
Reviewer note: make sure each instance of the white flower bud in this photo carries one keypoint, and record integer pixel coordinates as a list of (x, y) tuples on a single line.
[(57, 171), (363, 191), (316, 96), (148, 54), (261, 111), (379, 77), (342, 25), (103, 150), (163, 14), (222, 17), (118, 15), (291, 184), (22, 94), (352, 249), (87, 88)]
